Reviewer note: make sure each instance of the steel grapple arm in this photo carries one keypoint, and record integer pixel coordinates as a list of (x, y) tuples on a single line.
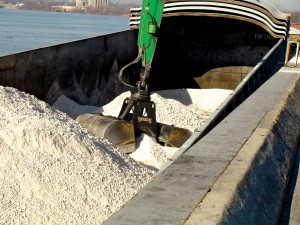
[(139, 108), (138, 112)]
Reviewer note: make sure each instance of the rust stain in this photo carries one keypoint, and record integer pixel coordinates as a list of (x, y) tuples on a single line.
[(7, 62)]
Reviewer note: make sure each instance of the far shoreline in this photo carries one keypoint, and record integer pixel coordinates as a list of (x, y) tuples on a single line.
[(15, 7)]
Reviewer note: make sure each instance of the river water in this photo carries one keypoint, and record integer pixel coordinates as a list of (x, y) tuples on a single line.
[(22, 30)]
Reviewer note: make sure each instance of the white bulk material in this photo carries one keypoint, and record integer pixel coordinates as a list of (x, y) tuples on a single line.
[(187, 108), (52, 171)]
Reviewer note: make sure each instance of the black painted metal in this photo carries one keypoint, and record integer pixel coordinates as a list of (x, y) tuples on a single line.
[(265, 69), (85, 71)]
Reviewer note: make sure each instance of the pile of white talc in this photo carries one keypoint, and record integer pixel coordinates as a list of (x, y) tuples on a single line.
[(186, 108), (54, 171)]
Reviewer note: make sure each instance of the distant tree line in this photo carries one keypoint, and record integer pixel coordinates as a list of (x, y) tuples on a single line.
[(112, 9), (42, 5)]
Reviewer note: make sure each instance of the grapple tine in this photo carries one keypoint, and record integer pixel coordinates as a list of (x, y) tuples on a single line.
[(118, 132), (173, 136)]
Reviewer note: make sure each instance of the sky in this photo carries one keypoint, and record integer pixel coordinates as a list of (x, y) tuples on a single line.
[(286, 4)]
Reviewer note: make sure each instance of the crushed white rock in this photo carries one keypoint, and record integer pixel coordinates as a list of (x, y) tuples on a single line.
[(52, 171), (186, 108)]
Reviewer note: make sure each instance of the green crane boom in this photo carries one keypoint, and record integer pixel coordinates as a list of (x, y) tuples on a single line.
[(150, 20)]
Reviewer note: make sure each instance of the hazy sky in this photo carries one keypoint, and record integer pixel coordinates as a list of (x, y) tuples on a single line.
[(286, 4)]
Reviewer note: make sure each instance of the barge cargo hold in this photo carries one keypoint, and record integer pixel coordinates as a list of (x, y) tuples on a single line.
[(237, 45)]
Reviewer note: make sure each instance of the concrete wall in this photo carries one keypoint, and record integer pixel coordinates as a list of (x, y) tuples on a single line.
[(252, 188), (236, 174)]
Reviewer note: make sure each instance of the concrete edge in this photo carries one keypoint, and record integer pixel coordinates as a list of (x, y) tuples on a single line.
[(251, 189), (173, 196), (294, 216)]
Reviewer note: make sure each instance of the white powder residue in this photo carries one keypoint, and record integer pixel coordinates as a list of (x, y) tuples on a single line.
[(52, 171), (203, 101), (72, 109), (150, 153), (113, 108), (172, 112)]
